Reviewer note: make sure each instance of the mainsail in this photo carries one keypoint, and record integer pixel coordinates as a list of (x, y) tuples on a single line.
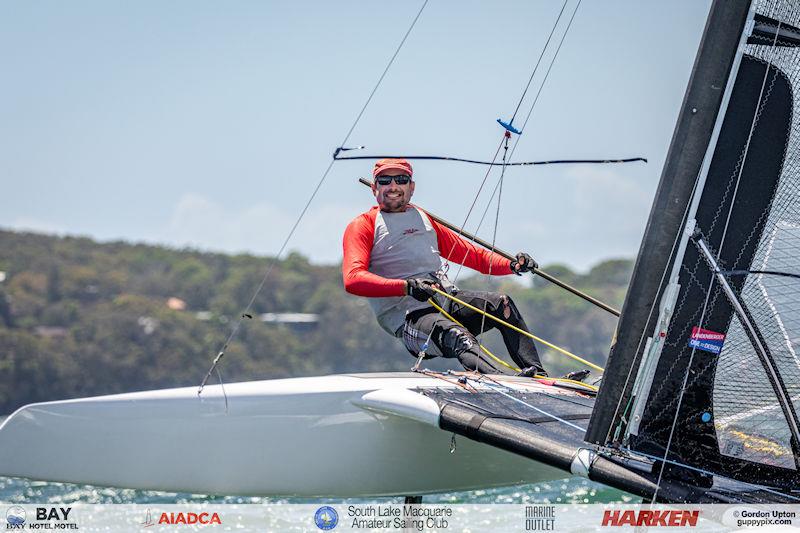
[(705, 377)]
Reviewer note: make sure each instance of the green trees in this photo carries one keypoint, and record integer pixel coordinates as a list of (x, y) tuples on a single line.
[(81, 318)]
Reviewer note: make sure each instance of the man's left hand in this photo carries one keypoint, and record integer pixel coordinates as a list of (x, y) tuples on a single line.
[(421, 288), (523, 263)]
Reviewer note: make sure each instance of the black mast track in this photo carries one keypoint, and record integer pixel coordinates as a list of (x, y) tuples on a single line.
[(699, 111)]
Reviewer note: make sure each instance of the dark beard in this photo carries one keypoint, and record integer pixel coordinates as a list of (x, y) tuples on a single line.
[(392, 206)]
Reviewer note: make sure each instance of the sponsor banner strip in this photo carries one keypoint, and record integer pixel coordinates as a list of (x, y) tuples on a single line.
[(396, 517)]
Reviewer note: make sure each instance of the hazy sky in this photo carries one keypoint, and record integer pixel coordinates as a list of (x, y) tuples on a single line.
[(208, 123)]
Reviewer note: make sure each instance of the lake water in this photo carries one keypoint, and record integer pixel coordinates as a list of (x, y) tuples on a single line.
[(571, 490)]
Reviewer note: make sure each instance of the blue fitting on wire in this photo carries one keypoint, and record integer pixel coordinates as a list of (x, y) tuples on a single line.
[(509, 126)]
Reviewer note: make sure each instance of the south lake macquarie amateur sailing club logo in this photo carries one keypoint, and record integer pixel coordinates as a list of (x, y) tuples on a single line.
[(326, 518)]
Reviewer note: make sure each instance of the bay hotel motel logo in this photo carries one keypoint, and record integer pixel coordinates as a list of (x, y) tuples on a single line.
[(49, 518)]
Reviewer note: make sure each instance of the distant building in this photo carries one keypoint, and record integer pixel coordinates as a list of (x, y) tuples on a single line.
[(176, 304), (51, 332), (289, 318), (148, 324), (296, 321)]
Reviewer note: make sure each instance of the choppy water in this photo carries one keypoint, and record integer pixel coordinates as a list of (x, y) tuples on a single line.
[(571, 490)]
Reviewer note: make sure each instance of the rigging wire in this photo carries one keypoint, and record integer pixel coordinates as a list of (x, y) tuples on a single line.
[(547, 74), (541, 86), (453, 247), (653, 306), (246, 313), (664, 461), (504, 141), (538, 61), (496, 219), (498, 387), (480, 222), (528, 116)]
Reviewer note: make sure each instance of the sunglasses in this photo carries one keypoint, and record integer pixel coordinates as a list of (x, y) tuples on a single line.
[(386, 180)]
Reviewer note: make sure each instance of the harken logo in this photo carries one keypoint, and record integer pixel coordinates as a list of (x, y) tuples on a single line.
[(326, 518), (651, 518), (15, 516)]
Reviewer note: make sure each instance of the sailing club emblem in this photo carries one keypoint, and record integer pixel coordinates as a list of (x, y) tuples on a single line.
[(706, 340), (326, 518)]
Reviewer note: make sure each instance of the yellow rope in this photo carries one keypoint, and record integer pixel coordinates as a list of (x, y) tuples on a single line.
[(575, 382), (518, 330), (493, 356), (485, 350)]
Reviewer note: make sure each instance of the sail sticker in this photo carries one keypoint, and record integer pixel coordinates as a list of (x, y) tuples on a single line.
[(706, 340)]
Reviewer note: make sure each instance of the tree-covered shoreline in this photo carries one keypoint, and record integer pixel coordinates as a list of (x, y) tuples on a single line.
[(80, 318)]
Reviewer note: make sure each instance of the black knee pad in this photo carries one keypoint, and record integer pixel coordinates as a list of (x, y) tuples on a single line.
[(457, 340)]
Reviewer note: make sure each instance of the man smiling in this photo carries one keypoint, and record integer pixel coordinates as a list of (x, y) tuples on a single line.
[(393, 255)]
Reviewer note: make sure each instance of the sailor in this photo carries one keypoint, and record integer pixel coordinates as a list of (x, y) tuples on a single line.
[(393, 255)]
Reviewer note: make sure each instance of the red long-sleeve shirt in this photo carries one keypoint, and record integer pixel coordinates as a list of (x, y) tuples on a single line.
[(359, 239)]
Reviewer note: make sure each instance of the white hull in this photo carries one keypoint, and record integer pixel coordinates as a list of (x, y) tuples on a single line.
[(318, 436)]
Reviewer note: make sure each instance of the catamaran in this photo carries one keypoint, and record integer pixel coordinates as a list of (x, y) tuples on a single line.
[(698, 402)]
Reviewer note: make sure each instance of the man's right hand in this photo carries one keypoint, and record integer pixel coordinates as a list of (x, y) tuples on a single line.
[(421, 288), (523, 263)]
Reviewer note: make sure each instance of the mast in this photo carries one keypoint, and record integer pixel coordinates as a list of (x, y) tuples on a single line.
[(658, 250)]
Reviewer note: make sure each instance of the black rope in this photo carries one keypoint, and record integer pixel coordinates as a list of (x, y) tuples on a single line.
[(490, 163), (765, 272)]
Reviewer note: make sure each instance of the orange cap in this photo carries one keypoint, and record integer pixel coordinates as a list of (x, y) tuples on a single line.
[(386, 164)]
